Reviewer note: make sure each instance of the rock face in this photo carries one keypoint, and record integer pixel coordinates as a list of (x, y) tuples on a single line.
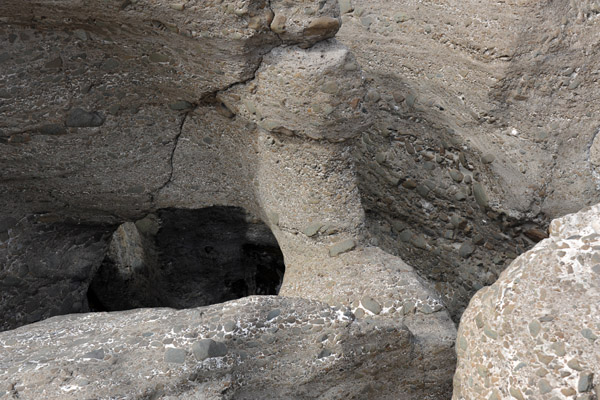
[(257, 347), (533, 333), (468, 86), (354, 136), (122, 117), (46, 267)]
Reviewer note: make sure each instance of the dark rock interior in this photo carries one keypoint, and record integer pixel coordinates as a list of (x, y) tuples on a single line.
[(187, 258)]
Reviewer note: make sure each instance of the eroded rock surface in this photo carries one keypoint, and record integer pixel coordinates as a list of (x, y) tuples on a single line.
[(446, 133), (46, 267), (484, 118), (257, 347), (533, 333)]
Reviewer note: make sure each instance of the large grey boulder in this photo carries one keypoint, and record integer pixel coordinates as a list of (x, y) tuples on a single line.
[(533, 333)]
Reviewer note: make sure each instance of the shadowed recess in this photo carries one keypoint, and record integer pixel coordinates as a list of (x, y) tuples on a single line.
[(187, 258)]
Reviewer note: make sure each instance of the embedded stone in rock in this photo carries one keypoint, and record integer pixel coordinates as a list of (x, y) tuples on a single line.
[(371, 305), (52, 129), (535, 313), (488, 158), (187, 258), (278, 24), (457, 176), (466, 249), (374, 352), (79, 118), (345, 6), (594, 156), (208, 348), (54, 64), (480, 195), (324, 353), (273, 314), (305, 23), (535, 234), (342, 247), (181, 105), (325, 27), (97, 354), (175, 355), (312, 229), (586, 382)]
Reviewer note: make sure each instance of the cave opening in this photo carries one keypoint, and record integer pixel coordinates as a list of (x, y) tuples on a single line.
[(187, 258)]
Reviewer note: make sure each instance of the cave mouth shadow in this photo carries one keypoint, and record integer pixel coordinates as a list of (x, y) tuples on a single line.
[(182, 258)]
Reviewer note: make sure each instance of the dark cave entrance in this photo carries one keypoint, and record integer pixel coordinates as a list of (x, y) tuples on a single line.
[(187, 258)]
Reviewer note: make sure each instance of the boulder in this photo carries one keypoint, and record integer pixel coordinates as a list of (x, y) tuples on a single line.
[(533, 333)]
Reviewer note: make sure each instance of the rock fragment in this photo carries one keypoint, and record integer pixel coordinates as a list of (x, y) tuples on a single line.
[(79, 118), (174, 355)]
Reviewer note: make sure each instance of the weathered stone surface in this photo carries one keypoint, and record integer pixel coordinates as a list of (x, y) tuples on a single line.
[(538, 311), (208, 348), (327, 101), (149, 106), (521, 105), (305, 23), (79, 118), (46, 265), (159, 344), (472, 133)]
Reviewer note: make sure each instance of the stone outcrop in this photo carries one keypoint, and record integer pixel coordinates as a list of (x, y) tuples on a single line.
[(533, 333), (256, 347), (400, 155), (137, 109)]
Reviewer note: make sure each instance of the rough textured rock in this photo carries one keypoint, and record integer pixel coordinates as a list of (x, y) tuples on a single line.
[(308, 350), (455, 81), (445, 134), (151, 106), (533, 333), (46, 267), (328, 93)]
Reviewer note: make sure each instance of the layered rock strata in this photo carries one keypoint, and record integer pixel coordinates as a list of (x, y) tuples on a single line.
[(485, 113)]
